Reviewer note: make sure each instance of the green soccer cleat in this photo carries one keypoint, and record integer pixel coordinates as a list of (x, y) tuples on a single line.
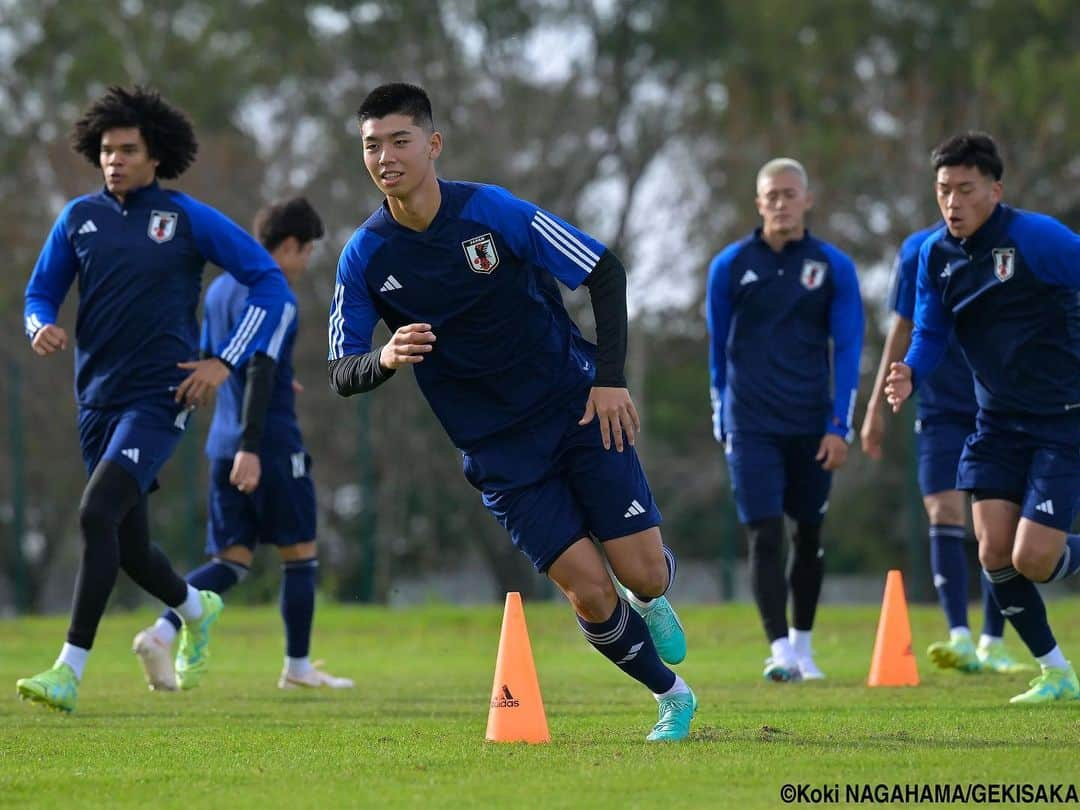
[(957, 653), (193, 653), (676, 712), (995, 658), (55, 688), (1053, 684)]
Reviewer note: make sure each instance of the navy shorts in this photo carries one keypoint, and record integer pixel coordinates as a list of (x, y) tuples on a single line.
[(1034, 459), (140, 437), (551, 483), (941, 442), (774, 475), (281, 510)]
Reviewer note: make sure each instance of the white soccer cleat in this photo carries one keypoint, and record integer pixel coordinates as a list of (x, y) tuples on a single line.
[(314, 678), (157, 661), (808, 670)]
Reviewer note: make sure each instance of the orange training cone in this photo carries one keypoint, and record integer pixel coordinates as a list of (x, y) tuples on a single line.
[(517, 711), (893, 663)]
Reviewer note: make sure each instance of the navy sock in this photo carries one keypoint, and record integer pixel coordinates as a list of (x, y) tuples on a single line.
[(298, 605), (993, 621), (1022, 605), (625, 640), (216, 575), (949, 564), (1069, 563), (672, 566)]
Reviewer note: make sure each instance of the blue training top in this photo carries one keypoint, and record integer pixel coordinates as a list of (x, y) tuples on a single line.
[(1010, 291), (222, 310), (139, 266), (483, 275), (770, 318), (950, 390)]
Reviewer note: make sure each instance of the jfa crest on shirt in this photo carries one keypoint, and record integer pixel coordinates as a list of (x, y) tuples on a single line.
[(162, 226), (813, 274), (480, 251), (1004, 259)]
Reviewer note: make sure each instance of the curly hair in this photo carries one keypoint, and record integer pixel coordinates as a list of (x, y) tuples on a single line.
[(295, 217), (167, 131)]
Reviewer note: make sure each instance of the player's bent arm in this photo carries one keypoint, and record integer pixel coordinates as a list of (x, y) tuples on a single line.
[(607, 291), (897, 342), (358, 373)]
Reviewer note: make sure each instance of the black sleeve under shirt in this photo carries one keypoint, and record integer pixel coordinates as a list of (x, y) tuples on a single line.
[(607, 289), (357, 373)]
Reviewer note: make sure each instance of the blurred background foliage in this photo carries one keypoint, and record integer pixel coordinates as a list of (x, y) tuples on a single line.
[(643, 122)]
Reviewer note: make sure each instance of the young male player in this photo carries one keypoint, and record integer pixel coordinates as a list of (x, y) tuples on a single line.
[(138, 251), (465, 277), (946, 417), (260, 477), (774, 301), (1006, 280)]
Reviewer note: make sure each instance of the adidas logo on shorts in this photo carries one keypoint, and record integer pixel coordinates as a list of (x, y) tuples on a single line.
[(634, 510)]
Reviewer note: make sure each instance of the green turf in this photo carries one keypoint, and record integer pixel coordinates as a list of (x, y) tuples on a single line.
[(412, 734)]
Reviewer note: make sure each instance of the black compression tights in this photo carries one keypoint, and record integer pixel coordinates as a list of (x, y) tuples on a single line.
[(115, 528)]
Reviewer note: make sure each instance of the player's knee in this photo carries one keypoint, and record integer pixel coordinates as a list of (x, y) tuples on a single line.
[(652, 581), (1033, 563), (994, 557), (593, 600), (96, 516), (765, 538), (943, 512)]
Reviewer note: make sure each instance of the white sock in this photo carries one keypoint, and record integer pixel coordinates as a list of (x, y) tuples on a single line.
[(986, 641), (640, 604), (164, 631), (782, 652), (958, 633), (298, 666), (1054, 659), (677, 688), (800, 642), (191, 608), (74, 657)]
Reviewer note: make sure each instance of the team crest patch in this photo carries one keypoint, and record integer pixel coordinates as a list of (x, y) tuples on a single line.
[(813, 274), (1004, 261), (162, 226), (480, 251)]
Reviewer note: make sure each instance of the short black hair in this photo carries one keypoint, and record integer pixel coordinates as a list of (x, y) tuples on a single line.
[(168, 133), (970, 149), (295, 217), (398, 99)]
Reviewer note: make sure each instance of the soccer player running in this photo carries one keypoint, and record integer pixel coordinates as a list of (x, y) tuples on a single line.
[(260, 475), (138, 251), (465, 276), (1006, 281), (946, 417), (774, 300)]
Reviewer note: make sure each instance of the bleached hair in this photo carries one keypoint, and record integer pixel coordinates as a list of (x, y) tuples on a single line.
[(779, 166)]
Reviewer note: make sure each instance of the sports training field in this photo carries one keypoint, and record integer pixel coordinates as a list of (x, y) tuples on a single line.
[(412, 733)]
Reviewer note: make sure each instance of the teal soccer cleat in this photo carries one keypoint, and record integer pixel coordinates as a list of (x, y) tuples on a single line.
[(1052, 685), (676, 712), (664, 626), (55, 688), (193, 653)]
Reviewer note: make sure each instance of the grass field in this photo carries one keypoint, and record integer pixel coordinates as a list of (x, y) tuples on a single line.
[(412, 733)]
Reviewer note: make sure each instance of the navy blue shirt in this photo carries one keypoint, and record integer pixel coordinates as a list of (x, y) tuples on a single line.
[(1010, 292), (139, 264), (770, 318), (950, 391), (224, 308), (483, 275)]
